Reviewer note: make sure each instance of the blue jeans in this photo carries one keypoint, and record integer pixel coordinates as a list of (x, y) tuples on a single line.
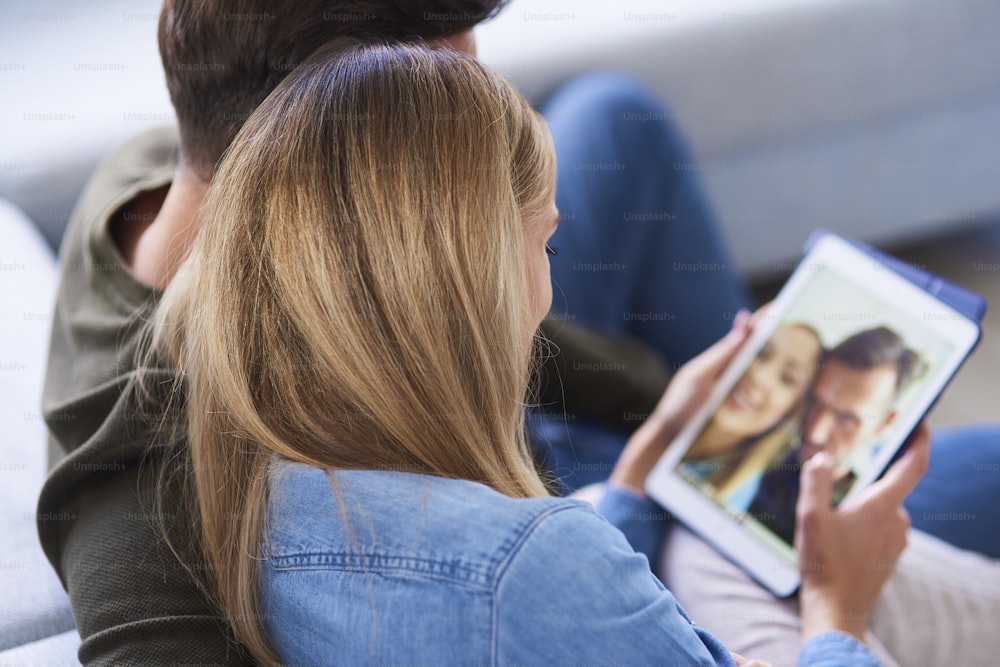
[(957, 500), (640, 254), (639, 250)]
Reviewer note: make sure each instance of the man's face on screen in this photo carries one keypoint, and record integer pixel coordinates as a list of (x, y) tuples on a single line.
[(848, 408)]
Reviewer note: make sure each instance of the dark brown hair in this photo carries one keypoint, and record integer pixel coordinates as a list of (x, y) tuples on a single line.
[(876, 347), (222, 59)]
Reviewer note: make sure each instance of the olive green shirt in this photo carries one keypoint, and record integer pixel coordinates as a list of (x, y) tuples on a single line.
[(133, 601)]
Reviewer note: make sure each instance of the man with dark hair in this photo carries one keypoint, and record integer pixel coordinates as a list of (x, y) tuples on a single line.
[(99, 516), (851, 404), (222, 59)]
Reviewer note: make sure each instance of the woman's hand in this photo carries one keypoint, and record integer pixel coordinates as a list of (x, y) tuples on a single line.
[(688, 391), (747, 662), (847, 554)]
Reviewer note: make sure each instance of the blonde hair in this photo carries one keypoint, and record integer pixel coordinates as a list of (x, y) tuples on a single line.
[(357, 297), (763, 454), (756, 452)]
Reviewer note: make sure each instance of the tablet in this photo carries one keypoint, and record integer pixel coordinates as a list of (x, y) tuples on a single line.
[(852, 354)]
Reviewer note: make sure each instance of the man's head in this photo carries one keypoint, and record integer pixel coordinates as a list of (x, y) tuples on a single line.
[(222, 59), (853, 399)]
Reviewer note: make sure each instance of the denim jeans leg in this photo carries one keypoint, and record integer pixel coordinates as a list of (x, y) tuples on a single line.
[(958, 500), (640, 252)]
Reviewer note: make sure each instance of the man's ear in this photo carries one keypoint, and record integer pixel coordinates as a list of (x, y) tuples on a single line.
[(887, 421), (463, 41)]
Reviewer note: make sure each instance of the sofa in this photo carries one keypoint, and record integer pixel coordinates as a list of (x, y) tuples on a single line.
[(36, 626), (878, 118)]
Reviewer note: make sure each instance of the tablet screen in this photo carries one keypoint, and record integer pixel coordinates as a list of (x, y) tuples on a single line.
[(840, 368), (847, 360)]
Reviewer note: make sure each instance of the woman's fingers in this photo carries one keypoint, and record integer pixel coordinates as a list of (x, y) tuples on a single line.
[(686, 394), (712, 361), (742, 316), (761, 314), (747, 662), (816, 490), (846, 554)]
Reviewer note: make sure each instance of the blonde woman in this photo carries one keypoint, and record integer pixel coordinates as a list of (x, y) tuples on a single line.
[(353, 331), (759, 419)]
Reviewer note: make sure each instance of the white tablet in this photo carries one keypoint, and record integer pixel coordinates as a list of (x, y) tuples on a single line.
[(852, 354)]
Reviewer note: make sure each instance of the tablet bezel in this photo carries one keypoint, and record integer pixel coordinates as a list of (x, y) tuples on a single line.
[(762, 554)]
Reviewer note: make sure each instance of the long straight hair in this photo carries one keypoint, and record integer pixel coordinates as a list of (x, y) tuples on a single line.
[(357, 297)]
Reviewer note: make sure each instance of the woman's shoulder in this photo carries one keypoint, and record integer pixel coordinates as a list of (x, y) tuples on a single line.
[(432, 569), (390, 520)]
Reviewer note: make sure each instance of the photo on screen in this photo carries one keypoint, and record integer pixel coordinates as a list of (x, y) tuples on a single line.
[(837, 373)]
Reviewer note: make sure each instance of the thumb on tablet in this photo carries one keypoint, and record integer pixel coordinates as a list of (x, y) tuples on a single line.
[(816, 486), (813, 507), (846, 554)]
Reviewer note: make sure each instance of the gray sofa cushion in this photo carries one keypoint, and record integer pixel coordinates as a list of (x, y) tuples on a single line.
[(55, 651), (34, 604), (77, 80)]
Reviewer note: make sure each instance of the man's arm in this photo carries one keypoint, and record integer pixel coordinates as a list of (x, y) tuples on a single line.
[(134, 603), (631, 380)]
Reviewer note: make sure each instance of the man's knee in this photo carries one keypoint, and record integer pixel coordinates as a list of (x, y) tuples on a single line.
[(615, 104)]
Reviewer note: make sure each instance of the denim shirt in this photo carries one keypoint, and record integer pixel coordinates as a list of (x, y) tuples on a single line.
[(420, 570)]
